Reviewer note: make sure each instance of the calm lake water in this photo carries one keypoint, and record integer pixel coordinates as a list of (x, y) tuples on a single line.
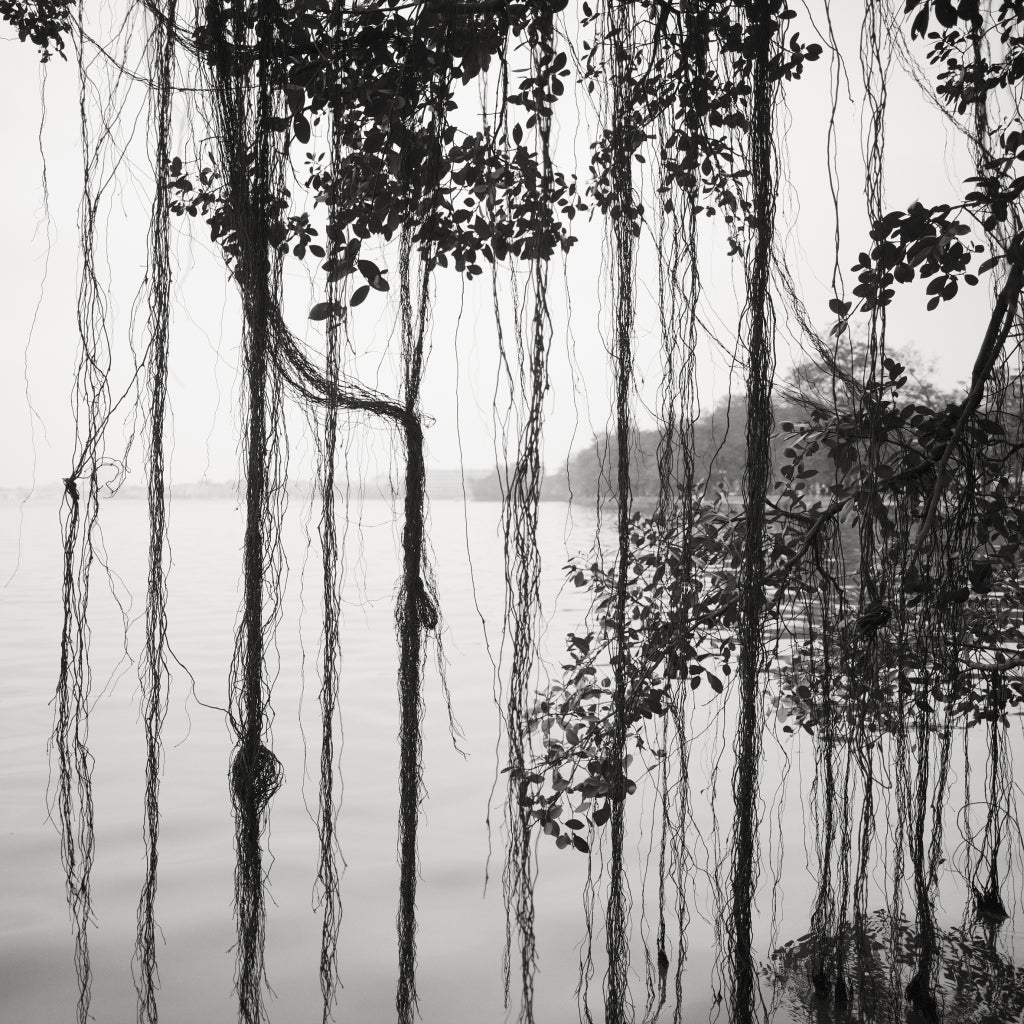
[(461, 918)]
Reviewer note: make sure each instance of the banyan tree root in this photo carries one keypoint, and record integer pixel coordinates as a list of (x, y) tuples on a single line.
[(759, 324), (256, 779), (921, 999), (988, 903)]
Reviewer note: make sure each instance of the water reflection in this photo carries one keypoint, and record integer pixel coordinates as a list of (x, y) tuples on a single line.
[(463, 933), (977, 981)]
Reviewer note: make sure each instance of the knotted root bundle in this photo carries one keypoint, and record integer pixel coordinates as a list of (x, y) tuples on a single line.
[(255, 779)]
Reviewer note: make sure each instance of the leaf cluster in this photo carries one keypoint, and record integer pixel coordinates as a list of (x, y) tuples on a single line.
[(854, 664), (44, 23)]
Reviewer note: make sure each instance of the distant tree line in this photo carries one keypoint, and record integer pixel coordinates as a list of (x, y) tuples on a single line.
[(825, 381)]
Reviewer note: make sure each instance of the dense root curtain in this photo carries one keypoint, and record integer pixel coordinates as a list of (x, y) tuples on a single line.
[(882, 653)]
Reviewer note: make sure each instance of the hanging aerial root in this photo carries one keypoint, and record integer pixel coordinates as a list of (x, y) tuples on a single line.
[(153, 667), (70, 732), (520, 515), (416, 612), (621, 40), (244, 104), (92, 408), (756, 480), (328, 869)]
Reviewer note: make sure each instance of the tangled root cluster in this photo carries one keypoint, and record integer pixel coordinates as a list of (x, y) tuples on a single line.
[(256, 779)]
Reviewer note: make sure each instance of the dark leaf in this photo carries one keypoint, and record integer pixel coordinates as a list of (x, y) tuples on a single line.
[(323, 310), (945, 13)]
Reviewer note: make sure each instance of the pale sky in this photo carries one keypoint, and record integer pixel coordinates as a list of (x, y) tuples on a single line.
[(38, 273)]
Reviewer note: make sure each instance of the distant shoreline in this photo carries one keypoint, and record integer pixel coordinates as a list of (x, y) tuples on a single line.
[(442, 485), (473, 485)]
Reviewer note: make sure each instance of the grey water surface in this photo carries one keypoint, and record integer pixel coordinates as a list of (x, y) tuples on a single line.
[(461, 916)]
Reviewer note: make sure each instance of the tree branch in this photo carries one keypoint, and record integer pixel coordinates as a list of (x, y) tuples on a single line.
[(992, 345)]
